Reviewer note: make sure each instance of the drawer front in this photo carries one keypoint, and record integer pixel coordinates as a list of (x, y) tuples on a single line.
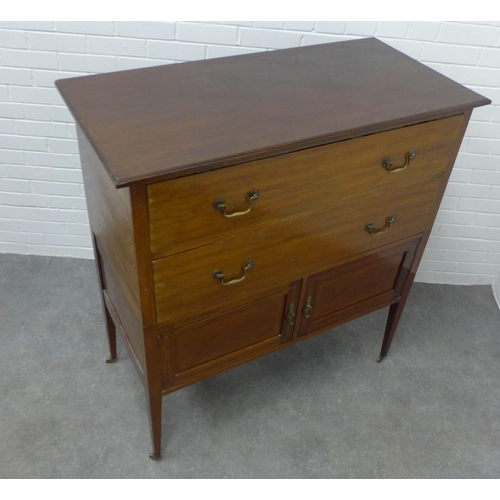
[(186, 282), (182, 211), (232, 337)]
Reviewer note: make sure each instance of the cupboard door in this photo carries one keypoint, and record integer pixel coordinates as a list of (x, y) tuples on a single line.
[(355, 288), (219, 342)]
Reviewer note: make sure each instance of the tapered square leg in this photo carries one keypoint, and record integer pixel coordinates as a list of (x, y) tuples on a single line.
[(155, 404), (395, 312), (111, 330), (396, 309), (110, 324), (153, 388)]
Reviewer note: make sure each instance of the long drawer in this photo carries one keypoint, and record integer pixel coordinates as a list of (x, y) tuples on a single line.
[(260, 260), (183, 212)]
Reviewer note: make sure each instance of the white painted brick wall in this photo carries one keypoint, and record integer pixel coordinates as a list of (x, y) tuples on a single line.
[(42, 205)]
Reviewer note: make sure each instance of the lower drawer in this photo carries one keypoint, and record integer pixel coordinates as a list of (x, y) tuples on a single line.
[(216, 343), (186, 283)]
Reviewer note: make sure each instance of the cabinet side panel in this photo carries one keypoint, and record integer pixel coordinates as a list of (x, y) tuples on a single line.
[(451, 162), (110, 217)]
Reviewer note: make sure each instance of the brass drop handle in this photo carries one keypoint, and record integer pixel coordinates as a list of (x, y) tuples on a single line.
[(219, 204), (307, 308), (389, 166), (389, 221), (291, 315), (219, 275)]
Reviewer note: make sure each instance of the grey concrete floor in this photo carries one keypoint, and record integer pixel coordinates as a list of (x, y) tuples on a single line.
[(320, 409)]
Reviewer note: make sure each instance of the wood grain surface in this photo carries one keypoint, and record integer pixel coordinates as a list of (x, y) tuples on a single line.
[(110, 217), (373, 280), (183, 118), (288, 251), (308, 127), (181, 211)]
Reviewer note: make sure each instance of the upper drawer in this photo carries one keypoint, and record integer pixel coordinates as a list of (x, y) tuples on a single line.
[(183, 216)]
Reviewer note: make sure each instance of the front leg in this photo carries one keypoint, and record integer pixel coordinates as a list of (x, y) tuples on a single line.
[(395, 311), (153, 387)]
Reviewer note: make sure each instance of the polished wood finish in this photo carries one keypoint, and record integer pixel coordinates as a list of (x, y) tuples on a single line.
[(110, 217), (373, 280), (182, 214), (153, 384), (396, 309), (309, 128), (288, 251), (219, 339), (170, 120)]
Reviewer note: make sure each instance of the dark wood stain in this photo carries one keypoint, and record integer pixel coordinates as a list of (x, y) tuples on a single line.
[(309, 128), (286, 252), (182, 214), (110, 217), (212, 113), (369, 281)]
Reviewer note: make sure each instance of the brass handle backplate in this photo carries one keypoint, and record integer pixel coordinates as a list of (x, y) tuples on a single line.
[(291, 315), (219, 275), (389, 166), (389, 221), (220, 205), (308, 308)]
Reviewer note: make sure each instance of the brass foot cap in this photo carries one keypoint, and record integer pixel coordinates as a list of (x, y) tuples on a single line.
[(110, 360), (152, 456), (380, 358)]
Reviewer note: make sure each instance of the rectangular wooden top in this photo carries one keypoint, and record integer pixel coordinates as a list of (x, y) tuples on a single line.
[(177, 119)]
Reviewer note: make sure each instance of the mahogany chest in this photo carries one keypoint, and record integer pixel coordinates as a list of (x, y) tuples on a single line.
[(240, 205)]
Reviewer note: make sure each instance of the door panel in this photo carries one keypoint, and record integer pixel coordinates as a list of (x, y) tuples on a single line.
[(218, 342), (355, 288)]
